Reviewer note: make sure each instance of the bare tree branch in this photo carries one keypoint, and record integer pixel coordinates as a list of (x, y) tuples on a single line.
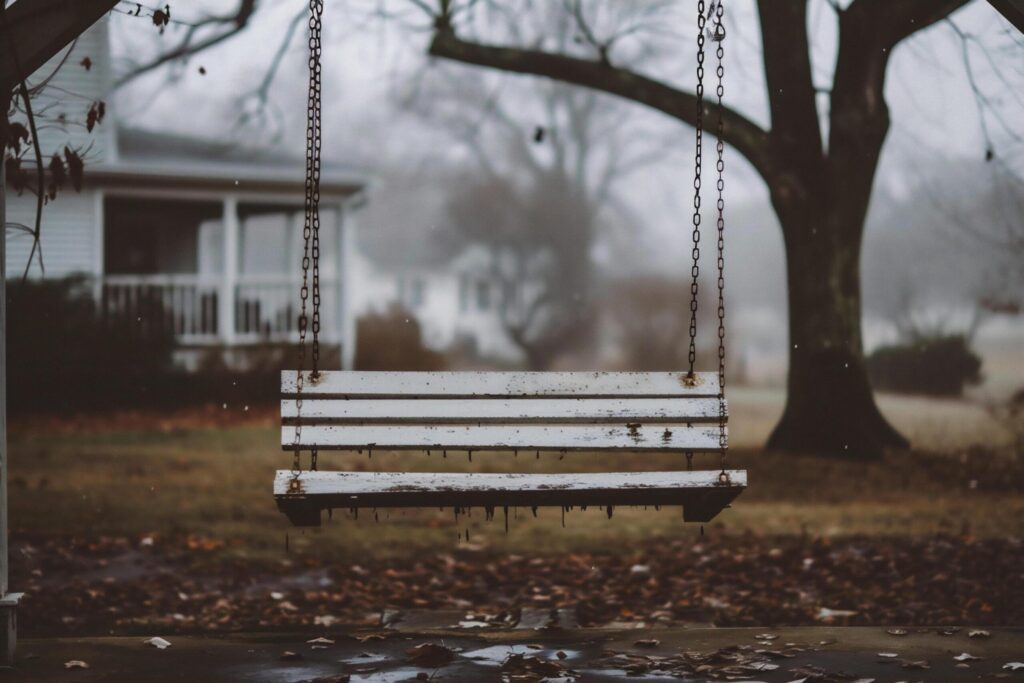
[(226, 26), (739, 131), (895, 20)]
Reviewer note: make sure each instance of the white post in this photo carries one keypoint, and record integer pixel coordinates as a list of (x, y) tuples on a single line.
[(229, 276), (8, 601), (346, 316), (98, 246)]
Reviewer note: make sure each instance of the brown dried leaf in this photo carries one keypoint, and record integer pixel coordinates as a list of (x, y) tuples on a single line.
[(430, 655)]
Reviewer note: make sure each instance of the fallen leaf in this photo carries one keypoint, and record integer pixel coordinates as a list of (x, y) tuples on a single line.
[(896, 631), (79, 664), (826, 614), (289, 656), (1013, 666), (966, 657), (888, 655), (158, 643), (978, 633), (647, 642), (320, 641), (430, 655), (916, 664)]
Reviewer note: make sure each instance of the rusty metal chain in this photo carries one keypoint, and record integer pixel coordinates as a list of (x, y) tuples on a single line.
[(719, 38), (316, 8), (697, 163), (310, 228)]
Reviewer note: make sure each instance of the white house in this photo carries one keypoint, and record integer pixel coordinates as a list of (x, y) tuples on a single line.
[(207, 234), (405, 255)]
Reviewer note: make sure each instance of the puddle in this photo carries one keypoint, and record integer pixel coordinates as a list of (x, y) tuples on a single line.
[(496, 654), (616, 674), (392, 676), (365, 658), (317, 579), (282, 674)]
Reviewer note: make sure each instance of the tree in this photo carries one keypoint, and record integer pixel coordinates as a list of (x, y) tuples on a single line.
[(542, 188), (532, 236), (819, 189)]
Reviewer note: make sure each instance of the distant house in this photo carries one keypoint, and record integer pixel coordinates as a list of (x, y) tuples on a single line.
[(406, 255), (206, 233), (212, 232)]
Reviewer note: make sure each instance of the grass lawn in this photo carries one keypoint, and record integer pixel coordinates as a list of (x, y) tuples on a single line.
[(213, 483)]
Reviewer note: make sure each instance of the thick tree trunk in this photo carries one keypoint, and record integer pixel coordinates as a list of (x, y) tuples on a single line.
[(830, 408)]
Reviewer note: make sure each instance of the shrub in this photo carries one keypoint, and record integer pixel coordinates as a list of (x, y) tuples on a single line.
[(937, 366), (393, 341), (62, 354)]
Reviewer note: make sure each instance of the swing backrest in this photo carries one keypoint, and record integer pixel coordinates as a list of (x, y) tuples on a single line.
[(518, 412)]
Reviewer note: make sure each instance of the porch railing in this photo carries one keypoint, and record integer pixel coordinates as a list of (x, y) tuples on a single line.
[(265, 307), (185, 305)]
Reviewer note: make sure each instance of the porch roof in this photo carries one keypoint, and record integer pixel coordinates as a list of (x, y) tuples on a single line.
[(154, 160)]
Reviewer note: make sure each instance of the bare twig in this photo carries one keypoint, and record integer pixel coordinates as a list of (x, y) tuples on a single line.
[(227, 25)]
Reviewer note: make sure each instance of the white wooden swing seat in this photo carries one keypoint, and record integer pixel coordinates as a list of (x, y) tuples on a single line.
[(503, 411)]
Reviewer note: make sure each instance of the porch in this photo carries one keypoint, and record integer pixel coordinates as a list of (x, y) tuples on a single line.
[(222, 271)]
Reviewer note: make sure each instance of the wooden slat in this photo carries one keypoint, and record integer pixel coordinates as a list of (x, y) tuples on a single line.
[(569, 437), (522, 410), (702, 494), (361, 384)]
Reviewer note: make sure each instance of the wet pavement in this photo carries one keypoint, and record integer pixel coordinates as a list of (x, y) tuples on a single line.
[(412, 649)]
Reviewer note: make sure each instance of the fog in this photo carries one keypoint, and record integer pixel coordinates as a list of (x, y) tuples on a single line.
[(418, 125)]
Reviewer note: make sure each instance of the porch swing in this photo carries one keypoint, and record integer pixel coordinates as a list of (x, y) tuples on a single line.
[(533, 412)]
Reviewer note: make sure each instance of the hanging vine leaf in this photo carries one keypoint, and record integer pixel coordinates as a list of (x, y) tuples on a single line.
[(16, 175), (97, 110), (75, 167), (17, 135), (58, 176), (162, 17)]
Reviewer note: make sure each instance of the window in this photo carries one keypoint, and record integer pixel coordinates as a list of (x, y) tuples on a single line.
[(412, 292), (464, 291), (483, 295), (418, 293), (147, 236)]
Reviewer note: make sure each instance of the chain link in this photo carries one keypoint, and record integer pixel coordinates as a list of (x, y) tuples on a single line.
[(719, 38), (310, 228), (697, 163)]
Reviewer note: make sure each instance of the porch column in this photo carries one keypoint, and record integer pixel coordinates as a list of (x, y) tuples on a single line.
[(229, 273), (346, 318)]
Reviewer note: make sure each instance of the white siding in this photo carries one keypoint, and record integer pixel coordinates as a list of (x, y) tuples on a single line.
[(68, 235), (70, 241), (61, 107)]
